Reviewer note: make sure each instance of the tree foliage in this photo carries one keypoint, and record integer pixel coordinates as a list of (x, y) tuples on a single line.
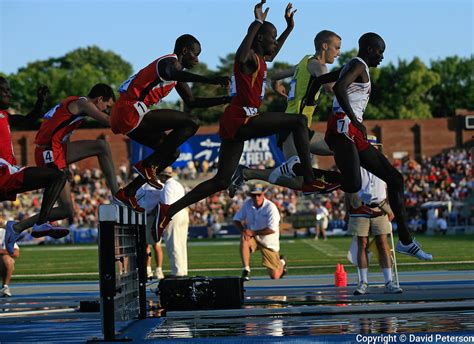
[(456, 87), (72, 74), (409, 89)]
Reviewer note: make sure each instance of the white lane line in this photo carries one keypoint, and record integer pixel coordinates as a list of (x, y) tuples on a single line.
[(38, 312)]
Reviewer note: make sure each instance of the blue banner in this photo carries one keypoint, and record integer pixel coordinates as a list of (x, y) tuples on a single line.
[(206, 147)]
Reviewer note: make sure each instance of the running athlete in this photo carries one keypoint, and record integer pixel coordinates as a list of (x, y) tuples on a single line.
[(132, 115), (327, 46), (347, 137), (242, 120), (16, 179), (55, 150)]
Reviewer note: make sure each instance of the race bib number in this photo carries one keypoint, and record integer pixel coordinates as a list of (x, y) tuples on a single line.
[(233, 86), (250, 111), (343, 125), (141, 108), (291, 93), (48, 156)]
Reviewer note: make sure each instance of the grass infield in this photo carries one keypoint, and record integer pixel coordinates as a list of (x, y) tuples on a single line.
[(221, 258)]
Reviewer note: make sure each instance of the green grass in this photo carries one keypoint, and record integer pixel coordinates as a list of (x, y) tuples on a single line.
[(221, 257)]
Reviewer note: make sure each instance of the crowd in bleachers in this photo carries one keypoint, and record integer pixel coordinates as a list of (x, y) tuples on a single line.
[(445, 177)]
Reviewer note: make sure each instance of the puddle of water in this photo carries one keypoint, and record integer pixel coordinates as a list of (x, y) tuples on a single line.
[(315, 325)]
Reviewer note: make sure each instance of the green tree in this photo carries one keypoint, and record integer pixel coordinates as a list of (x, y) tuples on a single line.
[(72, 74), (456, 87), (401, 92)]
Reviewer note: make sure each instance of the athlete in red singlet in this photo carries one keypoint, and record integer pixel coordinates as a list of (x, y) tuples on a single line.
[(53, 148), (131, 115), (15, 179), (242, 120)]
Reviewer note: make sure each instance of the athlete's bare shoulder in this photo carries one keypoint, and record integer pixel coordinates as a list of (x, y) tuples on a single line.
[(316, 68)]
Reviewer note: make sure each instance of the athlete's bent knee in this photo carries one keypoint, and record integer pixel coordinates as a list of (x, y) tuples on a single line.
[(221, 183), (352, 187), (103, 146), (301, 121), (176, 154), (193, 123)]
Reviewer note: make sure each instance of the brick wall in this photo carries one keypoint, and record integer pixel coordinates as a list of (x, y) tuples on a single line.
[(397, 136)]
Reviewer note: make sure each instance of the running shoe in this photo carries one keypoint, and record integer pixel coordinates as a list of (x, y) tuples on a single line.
[(11, 237), (128, 201), (47, 229), (149, 174), (364, 211), (319, 185), (5, 292), (149, 273), (392, 288), (413, 249), (160, 222), (285, 169), (237, 180), (362, 289), (245, 275), (159, 274)]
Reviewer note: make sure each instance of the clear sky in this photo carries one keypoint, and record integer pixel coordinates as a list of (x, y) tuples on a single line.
[(141, 30)]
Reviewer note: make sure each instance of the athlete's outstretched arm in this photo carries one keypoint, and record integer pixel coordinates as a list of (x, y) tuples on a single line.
[(171, 69), (85, 106), (245, 53), (30, 121), (276, 77), (290, 24), (316, 83), (198, 102)]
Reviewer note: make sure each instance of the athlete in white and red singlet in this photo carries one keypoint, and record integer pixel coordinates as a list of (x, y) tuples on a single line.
[(131, 115), (347, 137), (242, 120), (15, 179)]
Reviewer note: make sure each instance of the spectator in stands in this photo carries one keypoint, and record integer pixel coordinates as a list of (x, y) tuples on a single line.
[(442, 225), (7, 263), (322, 220), (259, 223)]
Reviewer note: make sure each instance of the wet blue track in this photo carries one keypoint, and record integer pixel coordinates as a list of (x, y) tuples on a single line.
[(297, 309)]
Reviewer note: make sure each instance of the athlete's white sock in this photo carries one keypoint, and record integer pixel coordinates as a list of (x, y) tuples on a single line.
[(363, 275), (387, 275)]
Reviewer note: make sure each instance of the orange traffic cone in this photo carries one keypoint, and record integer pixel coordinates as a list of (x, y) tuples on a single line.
[(340, 276)]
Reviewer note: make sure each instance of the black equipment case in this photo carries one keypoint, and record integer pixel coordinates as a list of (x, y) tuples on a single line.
[(194, 293)]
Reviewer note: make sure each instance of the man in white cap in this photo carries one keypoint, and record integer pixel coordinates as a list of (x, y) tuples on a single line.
[(176, 234), (259, 223)]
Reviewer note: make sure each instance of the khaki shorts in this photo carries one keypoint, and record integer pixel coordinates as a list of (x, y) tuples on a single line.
[(361, 226), (270, 259)]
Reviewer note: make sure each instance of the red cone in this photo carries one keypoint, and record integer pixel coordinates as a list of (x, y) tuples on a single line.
[(340, 276)]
